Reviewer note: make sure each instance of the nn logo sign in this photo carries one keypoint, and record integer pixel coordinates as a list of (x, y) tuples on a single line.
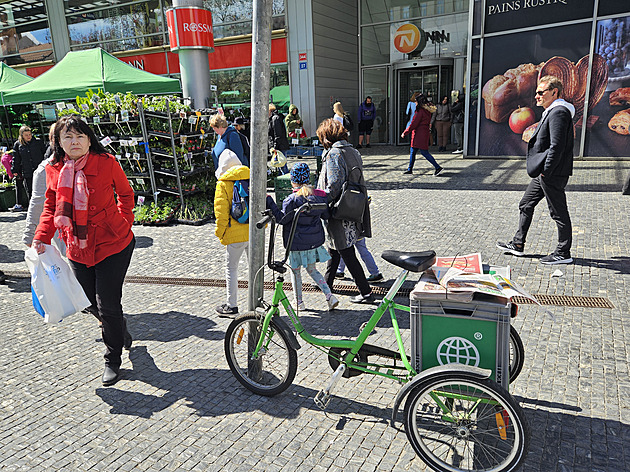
[(407, 38)]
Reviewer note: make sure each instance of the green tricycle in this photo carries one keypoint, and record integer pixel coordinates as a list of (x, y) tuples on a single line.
[(456, 417)]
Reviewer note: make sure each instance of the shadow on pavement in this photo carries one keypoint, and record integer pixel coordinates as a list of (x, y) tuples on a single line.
[(171, 326), (11, 217), (214, 392), (18, 285), (10, 255), (619, 263), (143, 242)]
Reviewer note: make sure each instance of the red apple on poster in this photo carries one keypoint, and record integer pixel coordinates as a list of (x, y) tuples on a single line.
[(521, 118)]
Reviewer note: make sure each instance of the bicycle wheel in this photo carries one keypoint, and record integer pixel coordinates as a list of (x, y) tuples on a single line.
[(517, 354), (276, 366), (457, 422)]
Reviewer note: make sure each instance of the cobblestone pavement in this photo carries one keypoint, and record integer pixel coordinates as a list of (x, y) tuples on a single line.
[(178, 407)]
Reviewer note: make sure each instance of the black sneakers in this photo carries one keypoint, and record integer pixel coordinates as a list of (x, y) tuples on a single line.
[(226, 311), (552, 259), (438, 171), (408, 172), (375, 278), (511, 248), (369, 298)]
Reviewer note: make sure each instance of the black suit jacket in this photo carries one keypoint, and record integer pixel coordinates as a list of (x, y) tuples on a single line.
[(550, 150)]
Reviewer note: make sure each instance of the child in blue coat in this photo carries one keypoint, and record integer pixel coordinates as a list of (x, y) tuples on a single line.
[(308, 242)]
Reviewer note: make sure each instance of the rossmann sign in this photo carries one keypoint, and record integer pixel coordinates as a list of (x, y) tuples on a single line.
[(190, 28)]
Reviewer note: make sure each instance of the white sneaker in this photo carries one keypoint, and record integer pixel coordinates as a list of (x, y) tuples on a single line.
[(458, 151), (332, 303), (301, 306)]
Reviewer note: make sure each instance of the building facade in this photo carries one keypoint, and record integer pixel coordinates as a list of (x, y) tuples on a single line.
[(345, 50)]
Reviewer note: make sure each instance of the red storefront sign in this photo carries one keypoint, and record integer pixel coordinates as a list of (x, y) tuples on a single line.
[(189, 28), (232, 56)]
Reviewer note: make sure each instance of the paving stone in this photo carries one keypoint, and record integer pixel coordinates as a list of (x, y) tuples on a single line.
[(178, 407)]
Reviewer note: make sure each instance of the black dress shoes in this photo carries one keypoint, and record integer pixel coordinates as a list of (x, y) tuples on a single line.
[(127, 340), (111, 375)]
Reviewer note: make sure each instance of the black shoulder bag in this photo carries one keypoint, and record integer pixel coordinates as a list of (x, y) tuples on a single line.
[(351, 204)]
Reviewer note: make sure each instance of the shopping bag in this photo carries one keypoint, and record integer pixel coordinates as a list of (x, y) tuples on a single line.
[(55, 288)]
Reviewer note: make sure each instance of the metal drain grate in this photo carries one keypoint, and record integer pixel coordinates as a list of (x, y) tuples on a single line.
[(347, 289)]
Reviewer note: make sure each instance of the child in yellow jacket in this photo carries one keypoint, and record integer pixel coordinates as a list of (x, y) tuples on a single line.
[(231, 233)]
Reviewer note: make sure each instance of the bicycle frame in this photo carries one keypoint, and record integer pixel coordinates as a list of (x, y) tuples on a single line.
[(353, 346)]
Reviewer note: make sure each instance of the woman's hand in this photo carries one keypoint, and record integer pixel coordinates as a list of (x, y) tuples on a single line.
[(402, 135), (39, 246)]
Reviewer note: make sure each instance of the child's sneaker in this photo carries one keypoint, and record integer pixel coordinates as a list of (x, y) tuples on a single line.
[(375, 278), (340, 275), (332, 303)]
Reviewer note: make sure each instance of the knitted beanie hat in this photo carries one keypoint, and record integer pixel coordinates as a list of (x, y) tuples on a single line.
[(300, 173)]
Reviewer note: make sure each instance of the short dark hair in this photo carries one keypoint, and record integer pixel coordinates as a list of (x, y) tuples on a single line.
[(75, 123), (552, 82), (421, 99), (330, 131)]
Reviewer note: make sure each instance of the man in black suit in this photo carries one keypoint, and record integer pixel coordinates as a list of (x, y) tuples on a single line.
[(549, 163)]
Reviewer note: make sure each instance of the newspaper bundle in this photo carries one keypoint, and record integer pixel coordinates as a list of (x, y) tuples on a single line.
[(459, 278)]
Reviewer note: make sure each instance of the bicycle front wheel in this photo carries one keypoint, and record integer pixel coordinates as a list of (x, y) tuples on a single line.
[(457, 422), (276, 365)]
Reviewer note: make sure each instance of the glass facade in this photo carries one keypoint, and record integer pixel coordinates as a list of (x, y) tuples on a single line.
[(24, 32), (513, 47)]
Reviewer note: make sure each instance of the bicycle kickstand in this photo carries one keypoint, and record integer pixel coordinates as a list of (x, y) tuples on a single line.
[(322, 399)]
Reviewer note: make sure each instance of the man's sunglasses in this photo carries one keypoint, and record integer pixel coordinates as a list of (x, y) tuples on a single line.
[(540, 93)]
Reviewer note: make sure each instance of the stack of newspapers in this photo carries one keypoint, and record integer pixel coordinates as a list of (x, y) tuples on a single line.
[(461, 278)]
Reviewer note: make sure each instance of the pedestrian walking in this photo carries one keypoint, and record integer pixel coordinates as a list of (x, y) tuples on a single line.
[(442, 122), (232, 234), (278, 134), (549, 164), (411, 108), (307, 247), (28, 152), (338, 159), (457, 112), (367, 115), (90, 202), (368, 260), (227, 138), (420, 129), (239, 126)]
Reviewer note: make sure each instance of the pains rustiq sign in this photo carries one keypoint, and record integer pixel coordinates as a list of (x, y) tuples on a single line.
[(190, 28)]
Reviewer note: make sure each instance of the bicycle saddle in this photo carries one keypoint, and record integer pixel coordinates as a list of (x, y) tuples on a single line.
[(413, 261)]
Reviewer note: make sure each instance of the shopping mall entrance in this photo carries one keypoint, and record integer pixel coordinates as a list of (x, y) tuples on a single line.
[(433, 78)]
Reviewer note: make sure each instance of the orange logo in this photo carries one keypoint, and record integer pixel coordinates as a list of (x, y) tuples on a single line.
[(407, 38)]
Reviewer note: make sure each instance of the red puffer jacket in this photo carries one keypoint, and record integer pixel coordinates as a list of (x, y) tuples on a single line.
[(109, 222)]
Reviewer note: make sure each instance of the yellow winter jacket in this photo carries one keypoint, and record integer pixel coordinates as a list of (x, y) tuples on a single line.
[(228, 230)]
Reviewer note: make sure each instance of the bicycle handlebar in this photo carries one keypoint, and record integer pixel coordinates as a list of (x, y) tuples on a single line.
[(267, 217)]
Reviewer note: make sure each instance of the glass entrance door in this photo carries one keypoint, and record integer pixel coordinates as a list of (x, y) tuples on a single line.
[(433, 82), (375, 85)]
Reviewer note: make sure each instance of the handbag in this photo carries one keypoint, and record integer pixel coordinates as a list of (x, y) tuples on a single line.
[(350, 205), (55, 289)]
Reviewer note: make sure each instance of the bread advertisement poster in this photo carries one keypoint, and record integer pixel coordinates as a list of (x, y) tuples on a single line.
[(609, 119), (511, 68)]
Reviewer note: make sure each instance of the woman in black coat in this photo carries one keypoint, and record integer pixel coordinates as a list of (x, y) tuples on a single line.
[(28, 152)]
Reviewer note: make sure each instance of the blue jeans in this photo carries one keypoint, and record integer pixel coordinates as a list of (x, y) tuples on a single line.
[(427, 155), (367, 257)]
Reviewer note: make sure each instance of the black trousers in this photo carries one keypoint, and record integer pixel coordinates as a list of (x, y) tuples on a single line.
[(102, 284), (353, 265), (27, 184), (552, 189)]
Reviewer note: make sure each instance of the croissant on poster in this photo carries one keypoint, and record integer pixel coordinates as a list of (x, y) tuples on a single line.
[(502, 94)]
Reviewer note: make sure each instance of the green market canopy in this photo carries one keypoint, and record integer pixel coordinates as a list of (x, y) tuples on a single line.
[(92, 69), (10, 78)]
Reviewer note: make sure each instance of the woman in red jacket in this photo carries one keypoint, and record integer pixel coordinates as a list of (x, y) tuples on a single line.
[(420, 129), (90, 202)]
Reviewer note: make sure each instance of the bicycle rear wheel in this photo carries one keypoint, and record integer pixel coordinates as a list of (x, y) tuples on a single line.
[(458, 422), (276, 366)]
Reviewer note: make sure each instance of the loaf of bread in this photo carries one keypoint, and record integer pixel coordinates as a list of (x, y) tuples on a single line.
[(620, 122), (503, 94), (621, 96)]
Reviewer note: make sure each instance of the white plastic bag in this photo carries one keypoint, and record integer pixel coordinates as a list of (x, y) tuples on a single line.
[(52, 280)]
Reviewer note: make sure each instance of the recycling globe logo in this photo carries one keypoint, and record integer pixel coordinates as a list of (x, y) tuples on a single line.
[(456, 350)]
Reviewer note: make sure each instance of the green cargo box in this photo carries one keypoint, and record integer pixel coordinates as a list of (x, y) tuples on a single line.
[(284, 188), (475, 333)]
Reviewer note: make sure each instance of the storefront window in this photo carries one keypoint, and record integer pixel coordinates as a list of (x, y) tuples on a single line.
[(129, 26), (234, 86), (375, 85), (24, 33), (375, 44), (378, 11)]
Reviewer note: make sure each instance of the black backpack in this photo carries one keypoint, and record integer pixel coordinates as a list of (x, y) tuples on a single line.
[(240, 201), (347, 122)]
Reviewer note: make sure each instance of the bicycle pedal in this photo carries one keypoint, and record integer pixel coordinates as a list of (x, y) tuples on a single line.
[(322, 399)]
